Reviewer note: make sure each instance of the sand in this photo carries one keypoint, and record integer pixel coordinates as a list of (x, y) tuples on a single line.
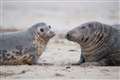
[(59, 53)]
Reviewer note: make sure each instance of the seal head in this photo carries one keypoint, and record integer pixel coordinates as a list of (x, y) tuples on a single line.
[(42, 30)]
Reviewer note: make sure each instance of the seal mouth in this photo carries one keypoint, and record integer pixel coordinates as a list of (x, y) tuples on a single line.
[(52, 34)]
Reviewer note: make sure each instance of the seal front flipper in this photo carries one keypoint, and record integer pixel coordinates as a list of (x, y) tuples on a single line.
[(81, 61)]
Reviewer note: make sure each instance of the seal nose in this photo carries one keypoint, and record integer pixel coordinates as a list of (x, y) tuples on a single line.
[(52, 33), (68, 36)]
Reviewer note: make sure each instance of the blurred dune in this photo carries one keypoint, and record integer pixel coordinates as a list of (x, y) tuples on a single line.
[(62, 15)]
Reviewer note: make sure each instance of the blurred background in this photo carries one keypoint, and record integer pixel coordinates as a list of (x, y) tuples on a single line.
[(61, 14)]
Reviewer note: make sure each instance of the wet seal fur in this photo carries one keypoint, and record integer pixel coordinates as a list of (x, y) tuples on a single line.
[(100, 44), (24, 47)]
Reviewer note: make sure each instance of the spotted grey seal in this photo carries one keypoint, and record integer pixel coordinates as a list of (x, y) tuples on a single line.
[(100, 44), (24, 47)]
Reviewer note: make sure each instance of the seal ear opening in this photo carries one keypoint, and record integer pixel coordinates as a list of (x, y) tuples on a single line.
[(90, 25)]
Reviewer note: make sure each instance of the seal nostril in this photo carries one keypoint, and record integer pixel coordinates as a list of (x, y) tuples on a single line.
[(68, 35), (49, 27)]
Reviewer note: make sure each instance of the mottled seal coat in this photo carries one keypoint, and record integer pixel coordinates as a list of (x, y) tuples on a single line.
[(24, 47), (100, 44)]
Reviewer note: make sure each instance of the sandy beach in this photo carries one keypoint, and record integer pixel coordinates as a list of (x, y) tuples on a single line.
[(58, 56)]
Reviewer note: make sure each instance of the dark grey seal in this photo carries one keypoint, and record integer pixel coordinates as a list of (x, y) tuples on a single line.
[(100, 43)]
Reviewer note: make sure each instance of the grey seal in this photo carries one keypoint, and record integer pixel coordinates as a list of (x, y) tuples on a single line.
[(99, 42), (24, 47)]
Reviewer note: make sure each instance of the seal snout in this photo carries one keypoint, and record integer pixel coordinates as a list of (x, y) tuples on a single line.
[(68, 36), (52, 33)]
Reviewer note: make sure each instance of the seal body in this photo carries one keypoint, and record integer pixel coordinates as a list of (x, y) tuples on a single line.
[(100, 43), (24, 47)]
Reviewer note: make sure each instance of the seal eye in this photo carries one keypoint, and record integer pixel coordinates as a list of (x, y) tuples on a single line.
[(83, 27), (42, 30), (49, 26)]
